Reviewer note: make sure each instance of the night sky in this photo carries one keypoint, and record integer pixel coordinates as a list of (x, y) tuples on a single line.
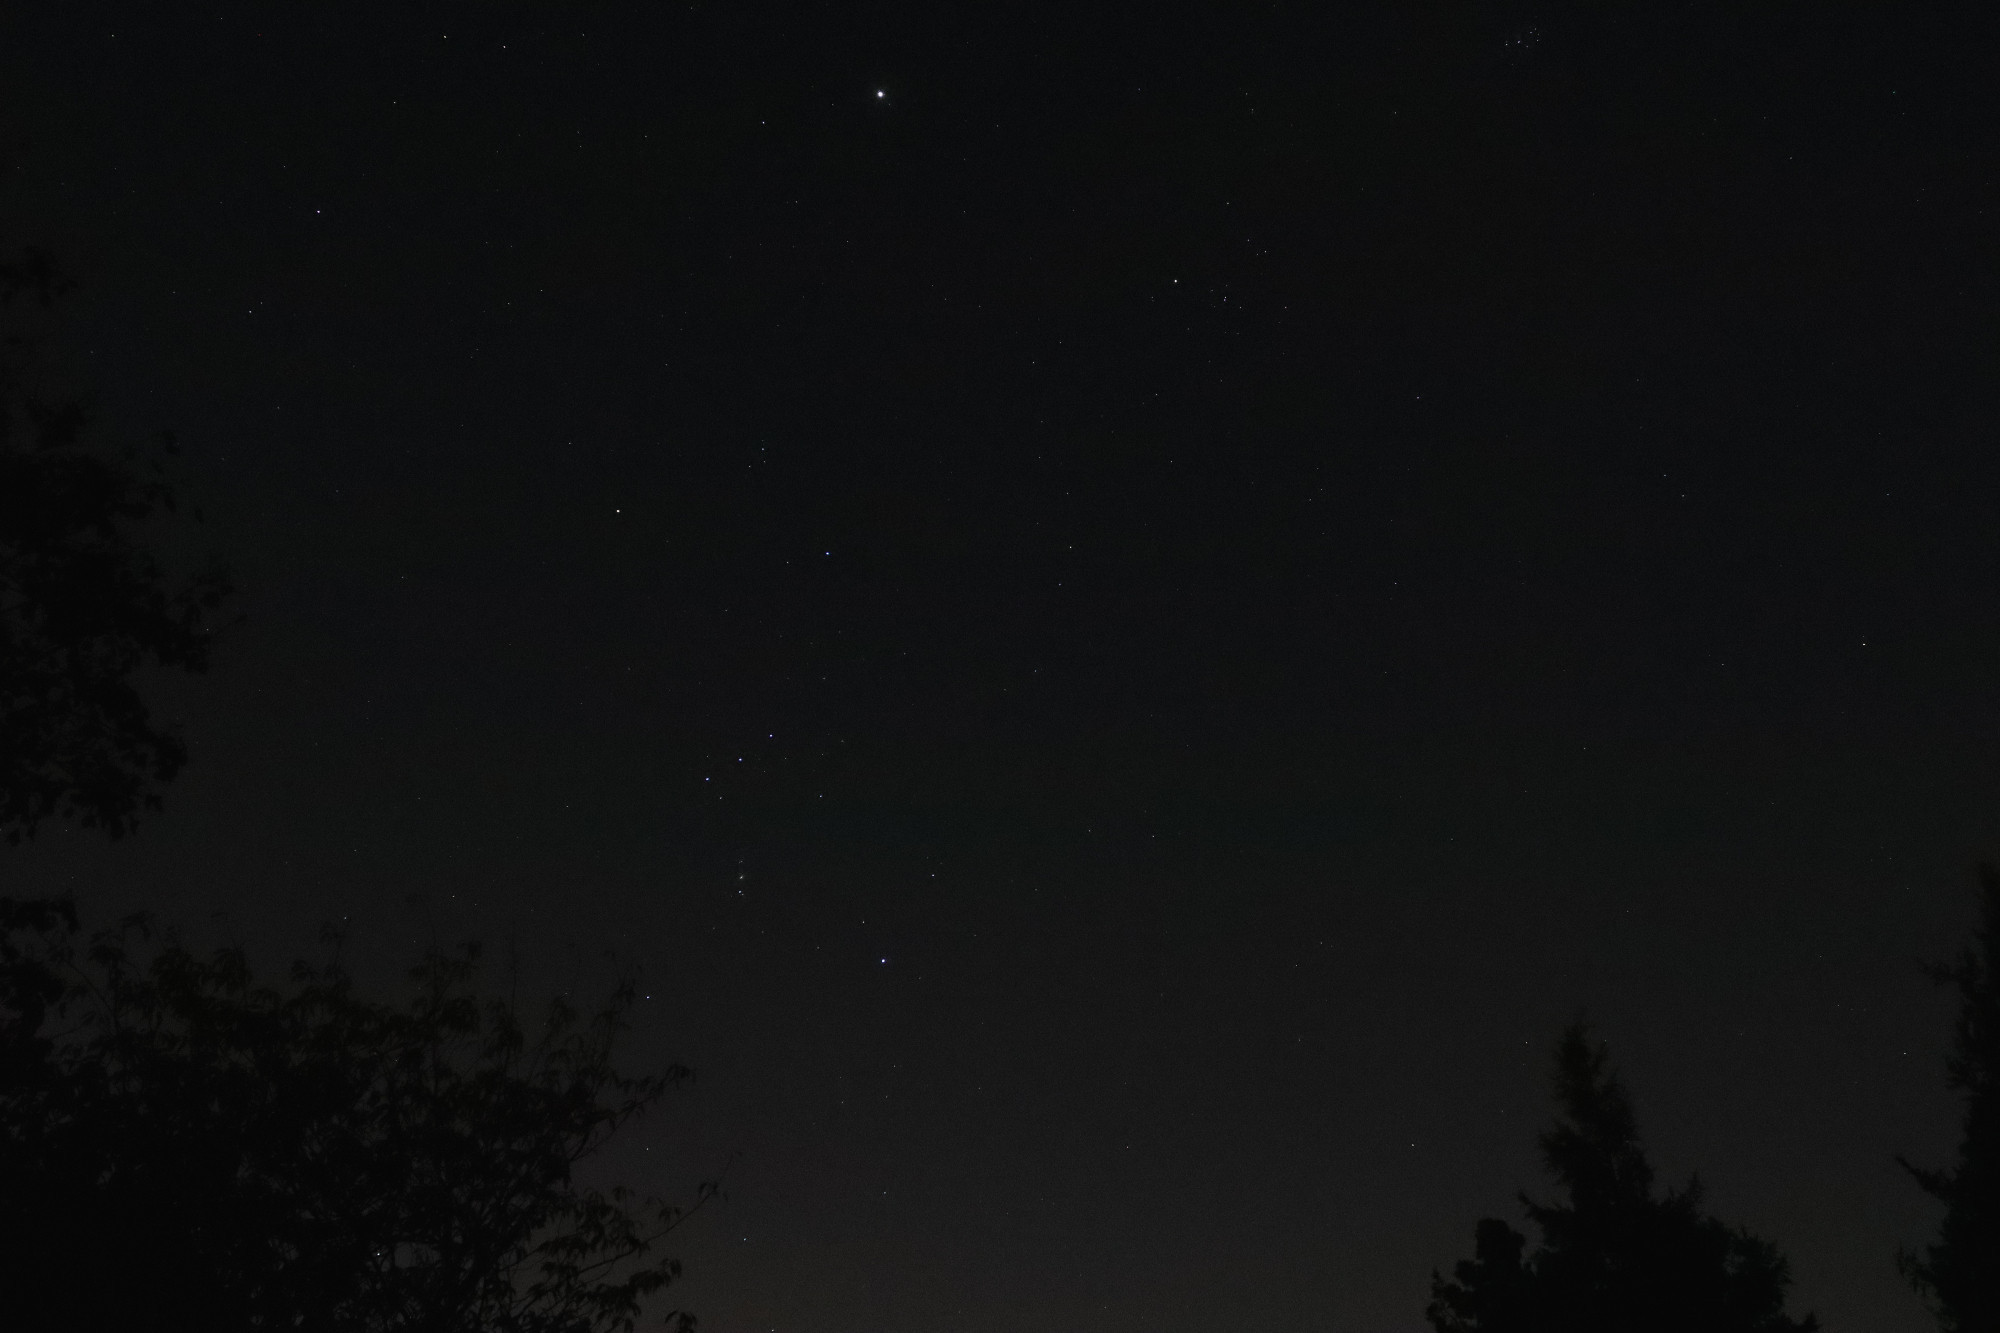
[(1123, 610)]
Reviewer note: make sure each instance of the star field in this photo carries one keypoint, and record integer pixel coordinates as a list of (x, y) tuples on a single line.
[(1121, 613)]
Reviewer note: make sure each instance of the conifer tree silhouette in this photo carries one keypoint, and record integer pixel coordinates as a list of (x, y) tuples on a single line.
[(1959, 1273), (1615, 1256)]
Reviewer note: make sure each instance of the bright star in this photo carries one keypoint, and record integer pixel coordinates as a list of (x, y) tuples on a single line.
[(880, 93)]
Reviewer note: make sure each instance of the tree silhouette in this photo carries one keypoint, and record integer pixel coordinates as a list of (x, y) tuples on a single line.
[(1615, 1257), (85, 603), (1959, 1273), (184, 1148)]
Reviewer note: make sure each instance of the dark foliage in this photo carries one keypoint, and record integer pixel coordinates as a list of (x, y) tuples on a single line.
[(85, 603), (1615, 1256), (1959, 1273), (182, 1147)]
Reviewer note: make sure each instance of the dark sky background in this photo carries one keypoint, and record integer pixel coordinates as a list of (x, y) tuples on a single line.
[(1124, 609)]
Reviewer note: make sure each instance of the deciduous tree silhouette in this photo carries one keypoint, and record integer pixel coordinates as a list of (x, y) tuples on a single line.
[(85, 602), (1959, 1273), (1615, 1256), (184, 1148)]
